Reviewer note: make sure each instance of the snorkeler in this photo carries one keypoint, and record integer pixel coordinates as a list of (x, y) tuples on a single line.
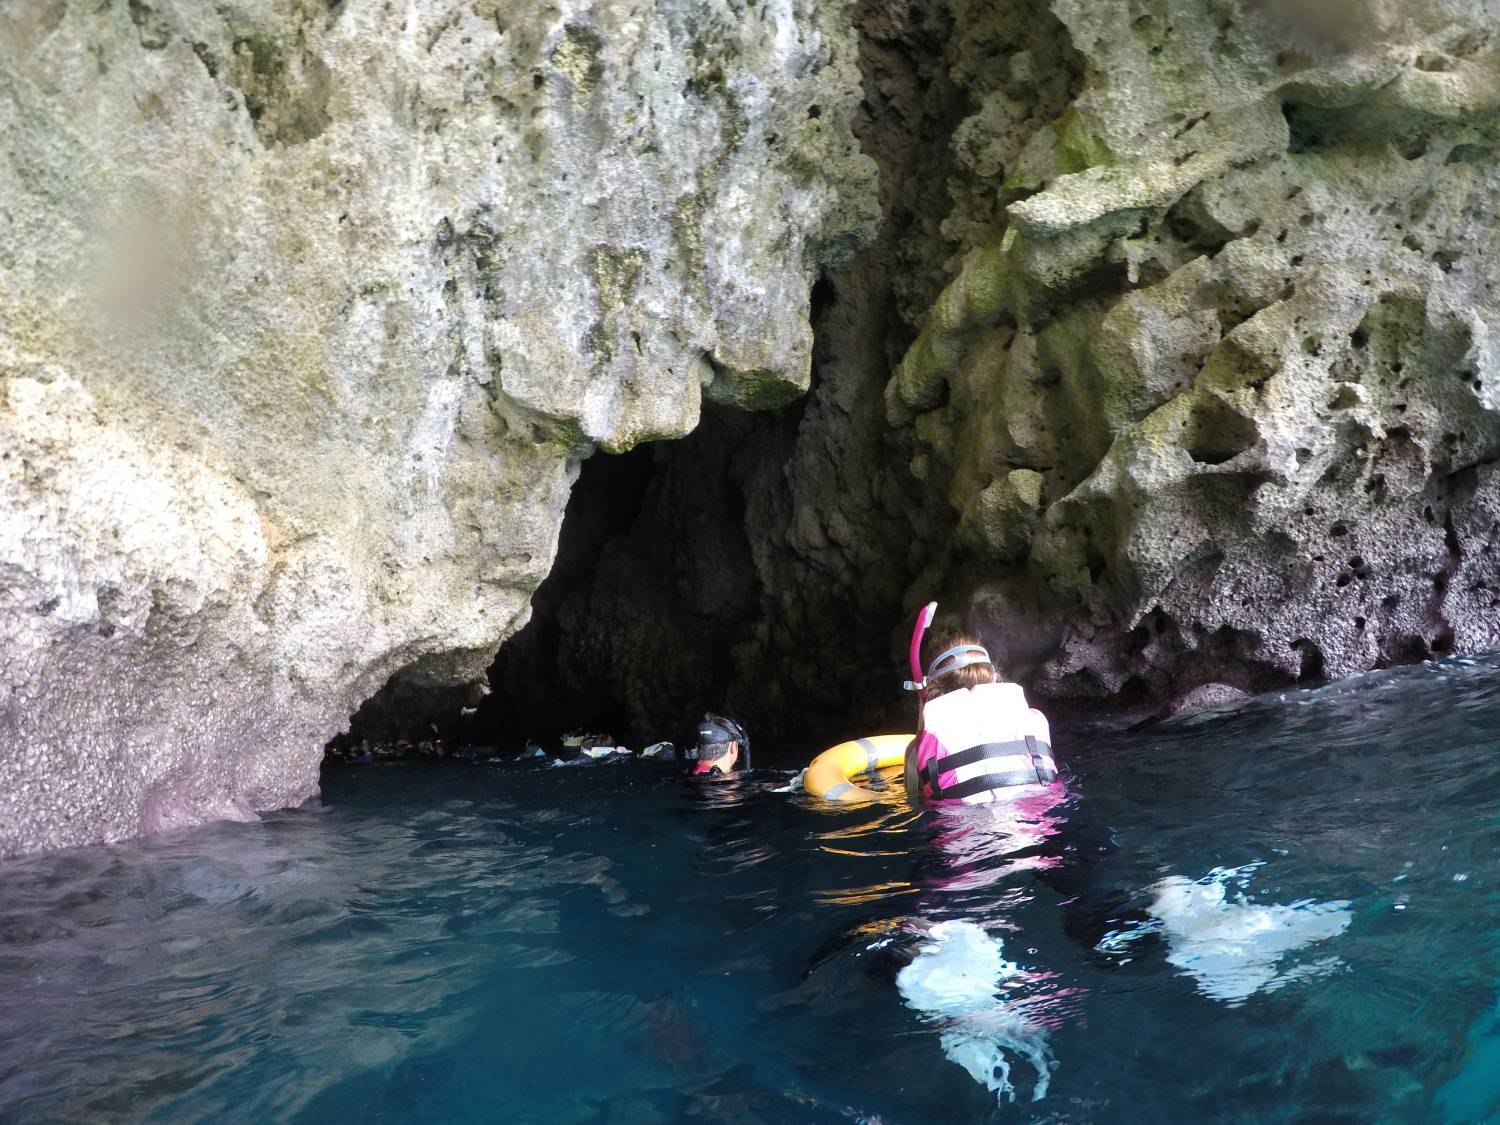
[(978, 740), (723, 746)]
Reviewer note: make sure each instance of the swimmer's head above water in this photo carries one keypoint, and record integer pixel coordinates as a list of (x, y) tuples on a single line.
[(955, 659), (723, 746), (952, 659)]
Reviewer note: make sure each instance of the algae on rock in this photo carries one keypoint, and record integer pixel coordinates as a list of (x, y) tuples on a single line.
[(1241, 330)]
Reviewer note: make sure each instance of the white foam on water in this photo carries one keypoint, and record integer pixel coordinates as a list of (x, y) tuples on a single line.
[(957, 979), (1236, 948)]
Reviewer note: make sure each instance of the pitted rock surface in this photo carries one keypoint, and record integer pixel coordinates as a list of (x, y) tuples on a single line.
[(308, 313), (1182, 319), (1169, 366), (1238, 321)]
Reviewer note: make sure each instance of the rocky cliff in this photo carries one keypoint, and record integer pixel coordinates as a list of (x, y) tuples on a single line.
[(1151, 337), (308, 313), (1213, 398), (1189, 312)]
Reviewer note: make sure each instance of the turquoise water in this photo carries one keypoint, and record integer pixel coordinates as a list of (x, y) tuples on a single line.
[(1285, 913)]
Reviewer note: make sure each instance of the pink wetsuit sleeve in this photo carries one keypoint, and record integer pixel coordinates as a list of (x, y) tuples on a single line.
[(928, 748)]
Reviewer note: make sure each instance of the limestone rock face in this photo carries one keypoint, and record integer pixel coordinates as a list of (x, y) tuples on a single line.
[(1171, 369), (765, 572), (308, 313), (1232, 311)]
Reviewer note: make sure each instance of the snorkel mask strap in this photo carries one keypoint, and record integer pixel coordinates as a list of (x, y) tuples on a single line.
[(914, 653), (959, 656)]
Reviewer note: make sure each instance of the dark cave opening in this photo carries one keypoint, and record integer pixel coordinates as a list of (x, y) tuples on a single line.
[(428, 719), (633, 632), (529, 698), (528, 695)]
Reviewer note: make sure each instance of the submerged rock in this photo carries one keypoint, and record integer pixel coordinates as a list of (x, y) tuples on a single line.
[(308, 313)]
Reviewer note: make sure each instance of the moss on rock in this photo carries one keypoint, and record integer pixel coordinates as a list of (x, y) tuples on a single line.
[(1243, 287)]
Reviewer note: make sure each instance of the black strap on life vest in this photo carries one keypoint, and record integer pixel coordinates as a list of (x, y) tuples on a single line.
[(1041, 771)]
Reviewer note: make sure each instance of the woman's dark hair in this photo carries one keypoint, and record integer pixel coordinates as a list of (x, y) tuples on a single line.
[(970, 676)]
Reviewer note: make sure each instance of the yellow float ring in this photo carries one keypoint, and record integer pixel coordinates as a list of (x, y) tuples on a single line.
[(829, 774)]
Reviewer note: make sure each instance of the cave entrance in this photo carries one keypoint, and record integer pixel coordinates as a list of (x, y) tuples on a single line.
[(533, 693), (528, 700), (632, 634)]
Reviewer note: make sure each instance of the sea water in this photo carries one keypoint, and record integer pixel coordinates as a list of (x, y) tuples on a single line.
[(1284, 912)]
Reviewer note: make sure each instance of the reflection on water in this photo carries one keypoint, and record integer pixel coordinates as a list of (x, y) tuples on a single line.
[(1286, 912), (960, 980), (1236, 948)]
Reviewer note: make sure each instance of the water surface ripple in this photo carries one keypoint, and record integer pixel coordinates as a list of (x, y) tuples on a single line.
[(1284, 913)]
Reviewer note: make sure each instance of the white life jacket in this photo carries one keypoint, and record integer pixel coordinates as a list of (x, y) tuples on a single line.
[(981, 740)]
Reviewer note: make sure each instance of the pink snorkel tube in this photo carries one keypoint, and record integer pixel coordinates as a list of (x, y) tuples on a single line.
[(914, 654)]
